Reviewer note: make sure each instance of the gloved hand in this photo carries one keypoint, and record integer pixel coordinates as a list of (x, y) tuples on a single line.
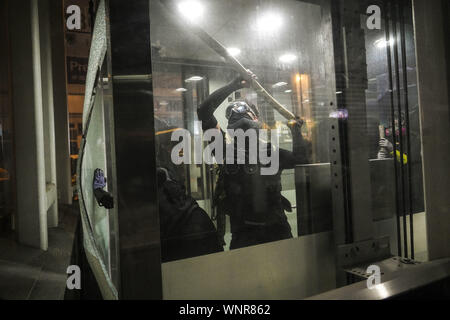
[(245, 81), (385, 143), (382, 154), (295, 126), (104, 198)]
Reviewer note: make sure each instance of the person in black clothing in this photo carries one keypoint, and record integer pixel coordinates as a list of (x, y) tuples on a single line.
[(252, 200), (186, 229)]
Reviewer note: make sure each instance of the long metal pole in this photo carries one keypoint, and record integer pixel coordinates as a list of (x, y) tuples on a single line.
[(391, 93), (408, 136), (222, 51), (400, 129)]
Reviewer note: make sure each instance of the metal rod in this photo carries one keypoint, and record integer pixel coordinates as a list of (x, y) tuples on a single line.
[(391, 93), (408, 136), (222, 51), (400, 128)]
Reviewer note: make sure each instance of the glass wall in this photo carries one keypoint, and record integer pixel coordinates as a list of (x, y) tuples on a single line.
[(286, 139), (392, 102), (95, 166), (344, 171), (285, 45)]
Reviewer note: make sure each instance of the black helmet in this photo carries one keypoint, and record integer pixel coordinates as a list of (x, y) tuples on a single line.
[(240, 114)]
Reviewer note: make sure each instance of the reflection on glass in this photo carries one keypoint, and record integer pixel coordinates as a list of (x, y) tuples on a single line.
[(207, 208), (393, 123)]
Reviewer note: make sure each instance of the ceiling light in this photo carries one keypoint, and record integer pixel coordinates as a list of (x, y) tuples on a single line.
[(234, 52), (269, 22), (191, 10), (194, 78), (279, 84), (288, 58), (181, 90), (288, 91)]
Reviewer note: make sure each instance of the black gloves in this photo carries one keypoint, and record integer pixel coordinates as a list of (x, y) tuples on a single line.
[(296, 126), (241, 82), (104, 198)]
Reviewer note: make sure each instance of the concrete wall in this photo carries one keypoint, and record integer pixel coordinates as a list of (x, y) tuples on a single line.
[(61, 115), (435, 121), (28, 121), (34, 96)]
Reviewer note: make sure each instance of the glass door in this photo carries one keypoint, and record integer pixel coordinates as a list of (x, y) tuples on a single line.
[(241, 233), (344, 73)]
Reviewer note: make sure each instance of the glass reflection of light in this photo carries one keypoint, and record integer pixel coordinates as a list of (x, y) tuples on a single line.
[(194, 78), (339, 114), (234, 52), (288, 58), (269, 22), (382, 291), (279, 84), (191, 10), (382, 43), (181, 90), (288, 91)]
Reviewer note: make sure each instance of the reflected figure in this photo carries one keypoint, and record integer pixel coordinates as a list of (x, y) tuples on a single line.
[(253, 201), (186, 229), (414, 160), (387, 139)]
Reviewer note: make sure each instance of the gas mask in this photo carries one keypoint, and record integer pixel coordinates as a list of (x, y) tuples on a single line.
[(241, 115)]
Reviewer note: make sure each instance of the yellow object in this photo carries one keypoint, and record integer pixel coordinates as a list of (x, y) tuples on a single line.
[(158, 133), (405, 157)]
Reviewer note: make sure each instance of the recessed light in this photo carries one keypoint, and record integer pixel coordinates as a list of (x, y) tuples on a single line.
[(288, 58), (194, 78), (191, 10), (234, 52), (279, 84), (269, 22)]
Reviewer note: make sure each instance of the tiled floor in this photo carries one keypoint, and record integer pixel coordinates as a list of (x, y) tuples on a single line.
[(28, 273)]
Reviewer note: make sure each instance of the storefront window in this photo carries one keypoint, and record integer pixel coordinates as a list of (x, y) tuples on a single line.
[(285, 45), (354, 174), (286, 136)]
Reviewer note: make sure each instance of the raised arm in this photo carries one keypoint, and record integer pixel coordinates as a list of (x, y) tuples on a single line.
[(300, 150), (209, 106)]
